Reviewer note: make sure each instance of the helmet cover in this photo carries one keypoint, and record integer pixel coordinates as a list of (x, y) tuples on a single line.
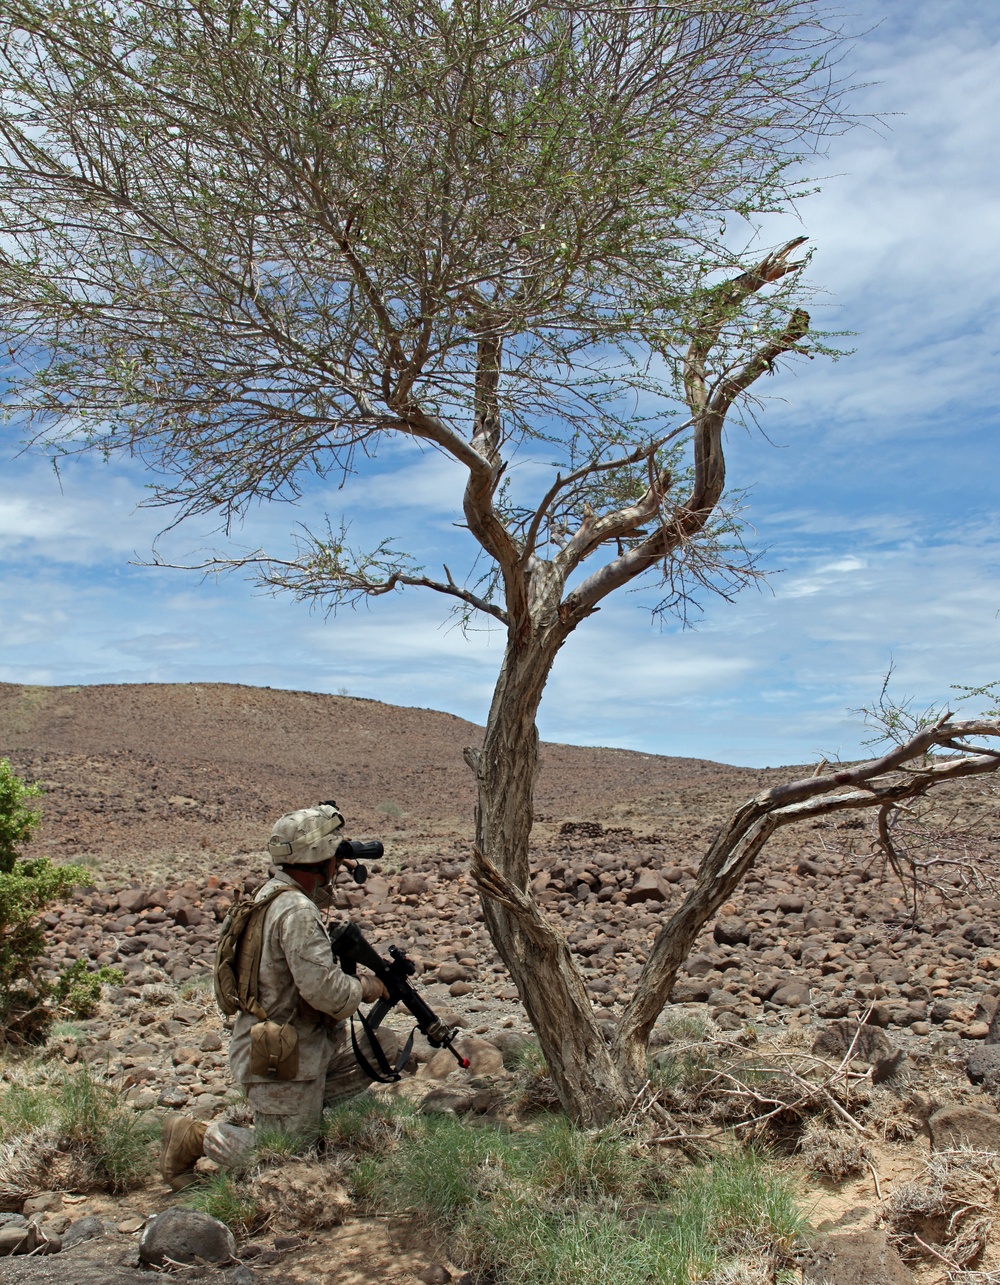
[(306, 837)]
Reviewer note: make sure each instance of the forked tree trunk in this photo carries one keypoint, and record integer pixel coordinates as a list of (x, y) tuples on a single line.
[(595, 1084), (551, 988)]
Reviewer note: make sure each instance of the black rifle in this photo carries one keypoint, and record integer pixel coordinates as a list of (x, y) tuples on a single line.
[(351, 949)]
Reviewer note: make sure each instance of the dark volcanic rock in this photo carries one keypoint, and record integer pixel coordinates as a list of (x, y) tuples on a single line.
[(954, 1127), (731, 931), (983, 1065), (867, 1044), (186, 1236), (791, 994)]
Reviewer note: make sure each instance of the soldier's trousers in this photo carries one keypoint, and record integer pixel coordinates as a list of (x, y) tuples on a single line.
[(296, 1107)]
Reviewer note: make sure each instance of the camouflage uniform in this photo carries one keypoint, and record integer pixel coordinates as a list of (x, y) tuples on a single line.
[(301, 982), (298, 982)]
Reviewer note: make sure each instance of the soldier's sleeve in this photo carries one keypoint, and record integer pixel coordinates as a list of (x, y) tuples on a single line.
[(318, 977)]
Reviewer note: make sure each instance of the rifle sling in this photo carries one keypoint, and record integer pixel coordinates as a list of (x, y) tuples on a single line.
[(389, 1074)]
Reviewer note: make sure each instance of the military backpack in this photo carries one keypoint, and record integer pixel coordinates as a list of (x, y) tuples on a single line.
[(237, 956)]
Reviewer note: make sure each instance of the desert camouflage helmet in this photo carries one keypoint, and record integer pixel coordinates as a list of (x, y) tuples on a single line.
[(306, 837)]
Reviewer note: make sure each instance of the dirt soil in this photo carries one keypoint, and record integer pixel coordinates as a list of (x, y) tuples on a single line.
[(166, 792)]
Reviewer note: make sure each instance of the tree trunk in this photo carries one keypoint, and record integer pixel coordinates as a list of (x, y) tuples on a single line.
[(551, 988), (722, 870)]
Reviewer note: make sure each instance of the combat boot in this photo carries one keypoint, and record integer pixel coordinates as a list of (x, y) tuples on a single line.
[(183, 1143)]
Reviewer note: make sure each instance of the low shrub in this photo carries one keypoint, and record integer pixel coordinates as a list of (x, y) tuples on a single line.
[(75, 1131), (369, 1124), (230, 1198), (29, 1000)]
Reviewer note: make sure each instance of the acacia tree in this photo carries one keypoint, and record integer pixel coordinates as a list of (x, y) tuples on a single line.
[(247, 240)]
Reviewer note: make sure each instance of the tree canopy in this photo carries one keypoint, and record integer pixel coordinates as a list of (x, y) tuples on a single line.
[(247, 240), (253, 242)]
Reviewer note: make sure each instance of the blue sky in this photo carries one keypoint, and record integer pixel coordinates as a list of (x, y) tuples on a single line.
[(874, 498)]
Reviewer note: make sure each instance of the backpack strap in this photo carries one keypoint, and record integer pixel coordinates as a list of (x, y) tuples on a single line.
[(249, 950)]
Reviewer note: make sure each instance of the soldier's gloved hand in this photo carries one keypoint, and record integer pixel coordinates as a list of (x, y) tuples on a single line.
[(371, 989)]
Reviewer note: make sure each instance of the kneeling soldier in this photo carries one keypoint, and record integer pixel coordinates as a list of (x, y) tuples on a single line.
[(291, 1047)]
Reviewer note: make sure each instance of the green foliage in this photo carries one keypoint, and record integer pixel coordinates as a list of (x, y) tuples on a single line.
[(78, 989), (228, 1197), (18, 820), (369, 1124), (28, 1000), (560, 1206), (93, 1116), (989, 692), (545, 195), (89, 1117), (896, 719), (23, 1108)]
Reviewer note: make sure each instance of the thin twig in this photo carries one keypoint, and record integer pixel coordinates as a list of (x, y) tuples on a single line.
[(937, 1254)]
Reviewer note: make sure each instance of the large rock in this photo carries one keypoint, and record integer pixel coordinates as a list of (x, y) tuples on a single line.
[(858, 1258), (866, 1043), (649, 886), (731, 931), (87, 1228), (186, 1236), (132, 900), (955, 1127), (791, 995), (982, 1066)]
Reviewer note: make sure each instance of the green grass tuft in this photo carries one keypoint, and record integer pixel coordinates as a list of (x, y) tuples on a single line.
[(369, 1124), (92, 1115), (228, 1197), (91, 1118), (555, 1205)]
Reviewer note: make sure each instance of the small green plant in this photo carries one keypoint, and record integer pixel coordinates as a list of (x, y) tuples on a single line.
[(583, 1165), (93, 1116), (526, 1061), (23, 1108), (389, 809), (369, 1124), (228, 1197), (195, 988), (27, 998), (78, 990), (274, 1147)]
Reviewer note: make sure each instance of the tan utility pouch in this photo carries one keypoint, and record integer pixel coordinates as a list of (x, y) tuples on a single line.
[(274, 1050)]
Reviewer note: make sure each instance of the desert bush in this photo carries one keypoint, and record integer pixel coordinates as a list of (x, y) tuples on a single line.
[(888, 1114), (78, 988), (230, 1198), (833, 1153), (949, 1210), (75, 1131), (28, 999), (369, 1124)]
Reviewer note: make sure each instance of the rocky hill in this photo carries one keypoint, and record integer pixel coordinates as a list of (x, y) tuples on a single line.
[(166, 793)]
